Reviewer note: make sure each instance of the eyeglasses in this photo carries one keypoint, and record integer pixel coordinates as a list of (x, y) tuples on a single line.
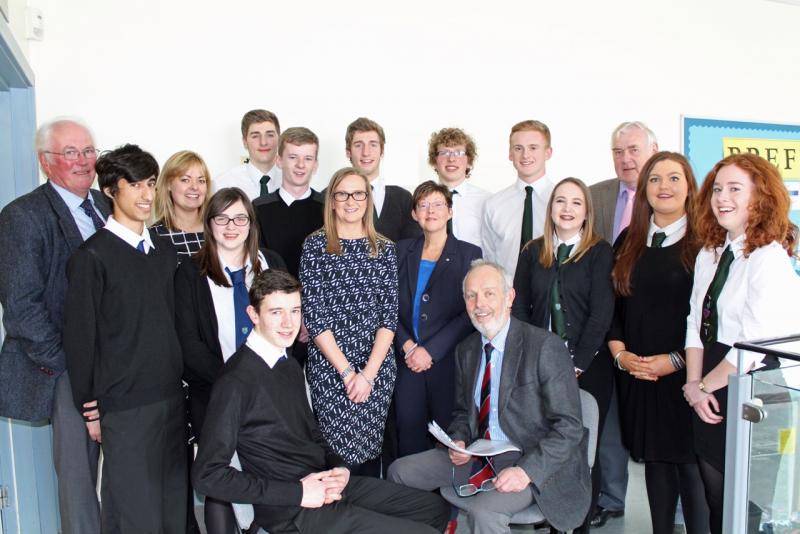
[(451, 153), (72, 154), (433, 206), (238, 220), (468, 490), (342, 196)]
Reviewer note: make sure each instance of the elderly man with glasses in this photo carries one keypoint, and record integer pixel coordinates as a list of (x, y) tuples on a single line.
[(514, 383), (40, 231)]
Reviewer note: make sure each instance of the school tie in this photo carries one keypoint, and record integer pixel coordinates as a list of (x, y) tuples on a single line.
[(264, 181), (240, 301), (140, 247), (556, 311), (658, 239), (710, 314), (527, 217), (450, 220), (482, 470), (89, 210)]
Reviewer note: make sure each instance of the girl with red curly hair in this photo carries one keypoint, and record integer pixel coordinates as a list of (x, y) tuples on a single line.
[(742, 279)]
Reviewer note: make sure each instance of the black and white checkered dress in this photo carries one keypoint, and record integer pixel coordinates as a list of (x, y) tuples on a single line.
[(186, 243), (352, 295)]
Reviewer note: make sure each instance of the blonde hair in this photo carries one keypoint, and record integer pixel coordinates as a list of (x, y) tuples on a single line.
[(589, 237), (177, 165), (376, 241)]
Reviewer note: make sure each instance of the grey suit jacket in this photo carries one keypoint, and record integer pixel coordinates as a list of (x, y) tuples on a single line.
[(38, 236), (604, 200), (540, 410)]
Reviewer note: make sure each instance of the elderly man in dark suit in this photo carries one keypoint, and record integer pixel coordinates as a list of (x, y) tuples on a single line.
[(40, 232), (523, 379), (632, 144)]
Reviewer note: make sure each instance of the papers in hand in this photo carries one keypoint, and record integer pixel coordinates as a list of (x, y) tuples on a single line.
[(479, 447)]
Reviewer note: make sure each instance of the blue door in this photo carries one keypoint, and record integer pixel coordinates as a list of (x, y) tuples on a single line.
[(28, 495)]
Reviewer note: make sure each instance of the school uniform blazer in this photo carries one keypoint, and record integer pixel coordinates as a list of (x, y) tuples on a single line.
[(198, 333), (604, 200), (443, 320), (395, 221), (587, 297), (38, 234)]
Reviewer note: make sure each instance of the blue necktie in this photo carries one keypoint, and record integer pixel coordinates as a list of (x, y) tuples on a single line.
[(240, 302), (140, 246), (89, 210)]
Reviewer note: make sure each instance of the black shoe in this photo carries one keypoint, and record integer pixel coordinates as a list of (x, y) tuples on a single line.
[(601, 515)]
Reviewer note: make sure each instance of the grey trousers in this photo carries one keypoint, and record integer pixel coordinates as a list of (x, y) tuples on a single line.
[(613, 461), (488, 512), (75, 458)]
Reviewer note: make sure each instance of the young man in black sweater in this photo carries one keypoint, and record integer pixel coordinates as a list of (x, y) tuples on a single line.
[(121, 349), (288, 215), (259, 409)]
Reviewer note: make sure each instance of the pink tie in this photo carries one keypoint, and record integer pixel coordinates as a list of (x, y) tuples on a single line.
[(626, 214)]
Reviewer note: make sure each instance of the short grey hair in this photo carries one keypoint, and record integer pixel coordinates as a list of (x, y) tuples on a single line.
[(625, 126), (44, 135), (480, 262)]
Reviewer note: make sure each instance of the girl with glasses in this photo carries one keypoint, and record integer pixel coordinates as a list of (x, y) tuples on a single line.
[(211, 301)]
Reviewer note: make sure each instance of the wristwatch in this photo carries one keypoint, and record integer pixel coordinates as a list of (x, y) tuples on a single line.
[(701, 386)]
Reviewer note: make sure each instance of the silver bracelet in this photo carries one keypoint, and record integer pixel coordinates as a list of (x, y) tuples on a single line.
[(371, 382), (347, 372), (616, 360), (677, 360)]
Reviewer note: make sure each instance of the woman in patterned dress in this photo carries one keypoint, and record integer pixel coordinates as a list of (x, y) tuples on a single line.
[(349, 277), (181, 195)]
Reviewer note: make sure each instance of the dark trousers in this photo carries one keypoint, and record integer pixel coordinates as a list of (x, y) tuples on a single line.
[(144, 469), (598, 380), (369, 505), (75, 457), (420, 398)]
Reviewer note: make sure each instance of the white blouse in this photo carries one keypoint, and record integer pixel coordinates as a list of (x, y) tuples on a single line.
[(757, 301)]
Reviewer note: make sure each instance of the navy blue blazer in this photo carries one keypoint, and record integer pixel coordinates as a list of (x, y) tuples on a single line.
[(38, 236), (443, 320)]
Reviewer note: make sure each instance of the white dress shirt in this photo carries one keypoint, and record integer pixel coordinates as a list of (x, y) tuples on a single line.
[(674, 231), (378, 193), (265, 350), (82, 220), (248, 178), (222, 297), (468, 207), (128, 235), (288, 198), (502, 221), (757, 301)]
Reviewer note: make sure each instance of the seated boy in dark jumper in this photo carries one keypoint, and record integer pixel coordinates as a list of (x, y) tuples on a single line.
[(296, 483)]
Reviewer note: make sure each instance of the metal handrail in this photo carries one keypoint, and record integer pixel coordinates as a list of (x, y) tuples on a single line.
[(762, 346)]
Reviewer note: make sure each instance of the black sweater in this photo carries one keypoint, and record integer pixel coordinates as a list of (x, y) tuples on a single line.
[(119, 331), (587, 297), (264, 415), (283, 228)]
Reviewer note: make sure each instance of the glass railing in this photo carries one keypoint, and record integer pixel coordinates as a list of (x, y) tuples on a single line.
[(768, 409)]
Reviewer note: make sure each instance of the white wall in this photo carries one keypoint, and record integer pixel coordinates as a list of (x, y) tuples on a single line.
[(179, 74)]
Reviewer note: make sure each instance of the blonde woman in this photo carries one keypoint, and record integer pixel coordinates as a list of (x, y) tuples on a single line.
[(349, 277), (181, 196)]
